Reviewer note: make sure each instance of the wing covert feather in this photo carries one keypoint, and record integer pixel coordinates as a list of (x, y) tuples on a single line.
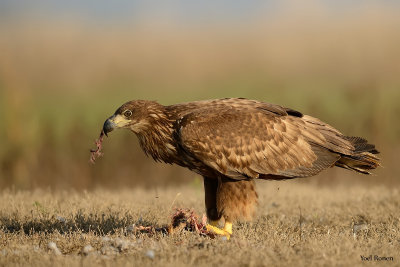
[(249, 143)]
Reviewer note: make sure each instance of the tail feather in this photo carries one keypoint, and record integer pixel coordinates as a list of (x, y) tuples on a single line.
[(361, 145), (362, 159)]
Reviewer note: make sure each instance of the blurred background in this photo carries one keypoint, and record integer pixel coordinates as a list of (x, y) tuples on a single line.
[(65, 66)]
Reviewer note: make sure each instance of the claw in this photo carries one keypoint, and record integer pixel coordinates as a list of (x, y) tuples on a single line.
[(228, 227), (227, 231)]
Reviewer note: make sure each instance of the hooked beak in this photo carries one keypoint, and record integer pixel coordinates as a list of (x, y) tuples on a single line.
[(116, 121), (108, 126)]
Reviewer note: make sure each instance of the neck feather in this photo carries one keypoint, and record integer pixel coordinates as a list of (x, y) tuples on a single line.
[(156, 140)]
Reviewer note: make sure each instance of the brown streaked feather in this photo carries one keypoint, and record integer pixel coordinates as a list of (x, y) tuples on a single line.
[(257, 142)]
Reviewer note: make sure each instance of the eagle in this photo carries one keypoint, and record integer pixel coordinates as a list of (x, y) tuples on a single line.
[(232, 142)]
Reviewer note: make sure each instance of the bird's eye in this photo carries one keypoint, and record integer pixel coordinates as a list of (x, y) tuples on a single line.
[(127, 113)]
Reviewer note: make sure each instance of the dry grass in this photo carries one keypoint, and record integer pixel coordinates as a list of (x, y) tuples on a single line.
[(296, 224)]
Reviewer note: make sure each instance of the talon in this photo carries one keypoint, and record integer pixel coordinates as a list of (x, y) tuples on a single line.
[(227, 231), (228, 227)]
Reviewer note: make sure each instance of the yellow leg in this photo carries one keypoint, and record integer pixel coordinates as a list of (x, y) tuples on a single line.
[(227, 231)]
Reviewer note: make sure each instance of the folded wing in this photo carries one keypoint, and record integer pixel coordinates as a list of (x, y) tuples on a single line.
[(257, 141)]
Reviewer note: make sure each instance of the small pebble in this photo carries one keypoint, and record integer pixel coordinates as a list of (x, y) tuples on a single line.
[(150, 253), (86, 250), (131, 229), (359, 227), (61, 219), (53, 247), (108, 250), (121, 244)]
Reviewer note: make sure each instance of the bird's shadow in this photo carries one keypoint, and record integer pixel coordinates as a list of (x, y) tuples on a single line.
[(99, 224), (102, 224)]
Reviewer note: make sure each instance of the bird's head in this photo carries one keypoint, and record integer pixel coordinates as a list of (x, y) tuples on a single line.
[(136, 115)]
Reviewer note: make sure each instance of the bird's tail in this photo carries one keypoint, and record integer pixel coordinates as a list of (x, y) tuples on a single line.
[(362, 158)]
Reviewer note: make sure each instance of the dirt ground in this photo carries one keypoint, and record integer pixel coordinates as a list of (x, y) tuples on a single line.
[(296, 224)]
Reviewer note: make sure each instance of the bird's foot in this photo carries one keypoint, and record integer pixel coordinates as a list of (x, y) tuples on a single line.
[(227, 231)]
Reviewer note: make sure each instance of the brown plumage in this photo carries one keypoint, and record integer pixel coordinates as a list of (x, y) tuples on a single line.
[(231, 142)]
